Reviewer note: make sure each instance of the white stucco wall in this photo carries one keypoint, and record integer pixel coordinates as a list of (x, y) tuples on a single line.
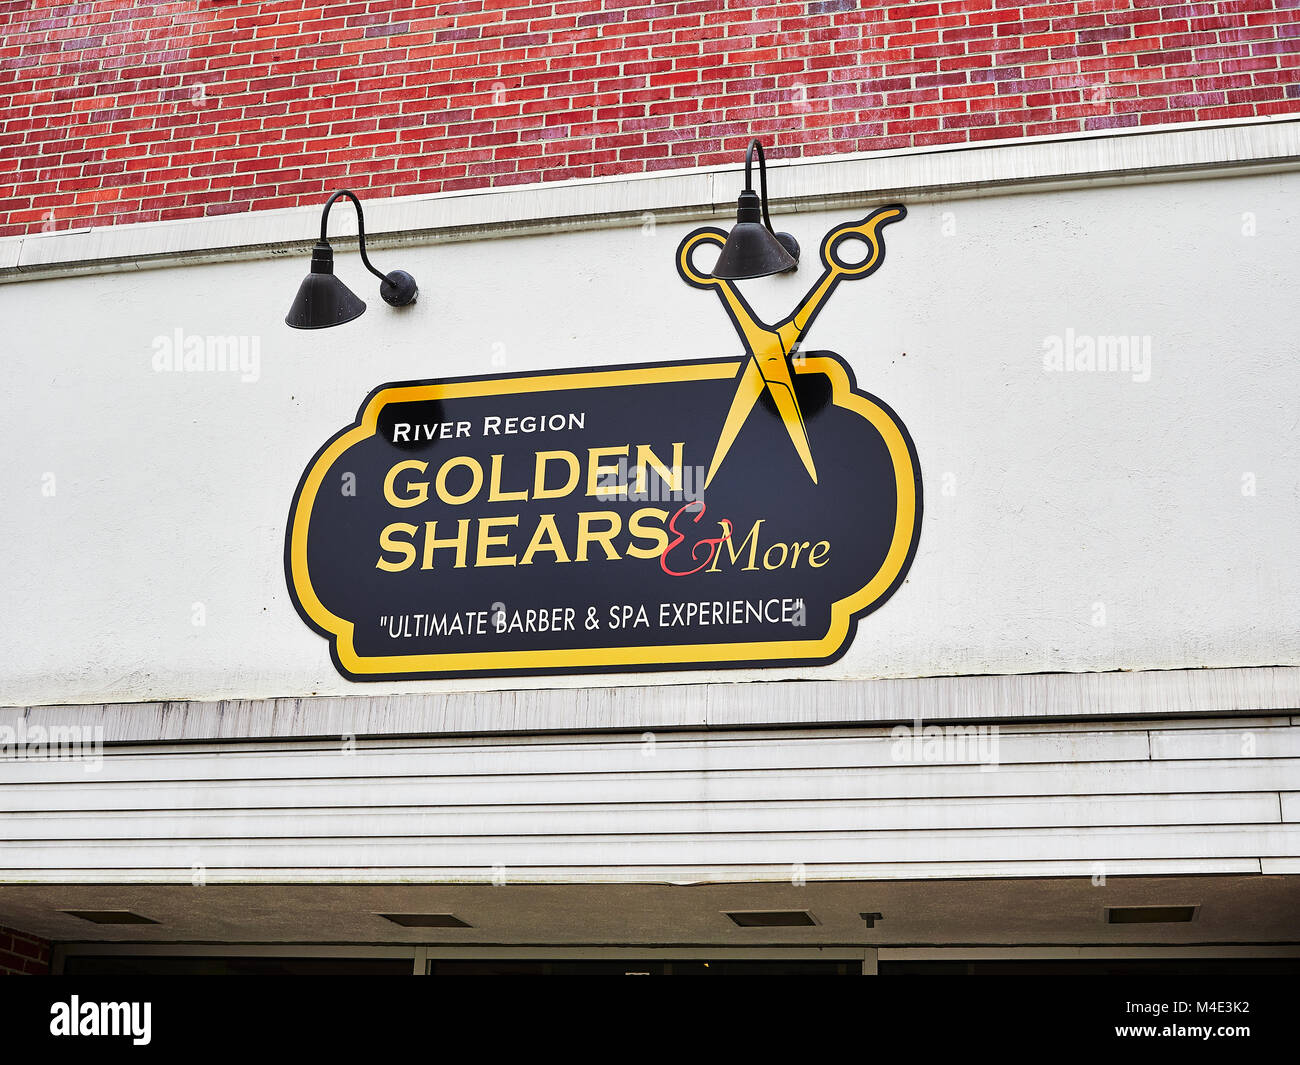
[(1049, 497)]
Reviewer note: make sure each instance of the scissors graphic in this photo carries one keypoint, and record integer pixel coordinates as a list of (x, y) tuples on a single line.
[(770, 348)]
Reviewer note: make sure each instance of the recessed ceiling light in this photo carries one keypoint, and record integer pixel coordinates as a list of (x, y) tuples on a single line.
[(772, 918), (110, 917), (1149, 914), (425, 920)]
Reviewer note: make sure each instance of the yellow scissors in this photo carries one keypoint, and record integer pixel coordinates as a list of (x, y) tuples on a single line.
[(771, 347)]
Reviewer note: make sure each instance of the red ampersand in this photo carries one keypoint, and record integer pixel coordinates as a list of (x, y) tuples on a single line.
[(712, 544)]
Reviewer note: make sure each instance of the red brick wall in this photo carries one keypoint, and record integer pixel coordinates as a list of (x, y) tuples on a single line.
[(114, 111), (23, 955)]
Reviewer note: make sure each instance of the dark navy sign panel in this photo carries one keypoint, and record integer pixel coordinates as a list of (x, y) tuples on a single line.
[(461, 583)]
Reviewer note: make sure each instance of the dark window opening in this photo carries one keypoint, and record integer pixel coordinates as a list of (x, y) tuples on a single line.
[(171, 965)]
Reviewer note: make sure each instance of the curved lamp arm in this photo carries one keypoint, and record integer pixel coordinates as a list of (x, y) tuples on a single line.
[(398, 289), (762, 177), (361, 228)]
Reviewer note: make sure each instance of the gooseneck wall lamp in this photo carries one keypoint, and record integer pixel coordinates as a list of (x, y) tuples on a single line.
[(323, 300), (753, 249)]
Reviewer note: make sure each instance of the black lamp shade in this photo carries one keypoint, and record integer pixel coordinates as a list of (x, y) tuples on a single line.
[(323, 300), (752, 250)]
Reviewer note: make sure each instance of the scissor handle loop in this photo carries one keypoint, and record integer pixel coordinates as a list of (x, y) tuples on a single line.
[(687, 248), (866, 231)]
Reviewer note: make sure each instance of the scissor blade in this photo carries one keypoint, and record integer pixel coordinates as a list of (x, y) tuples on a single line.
[(747, 393), (776, 374)]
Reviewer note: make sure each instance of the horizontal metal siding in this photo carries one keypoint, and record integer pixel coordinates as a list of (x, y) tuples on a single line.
[(1065, 800), (602, 819)]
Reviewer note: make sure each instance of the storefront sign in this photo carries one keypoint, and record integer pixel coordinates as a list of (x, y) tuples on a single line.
[(703, 514)]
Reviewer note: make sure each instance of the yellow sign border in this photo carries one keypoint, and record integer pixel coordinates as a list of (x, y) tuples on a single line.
[(605, 658)]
